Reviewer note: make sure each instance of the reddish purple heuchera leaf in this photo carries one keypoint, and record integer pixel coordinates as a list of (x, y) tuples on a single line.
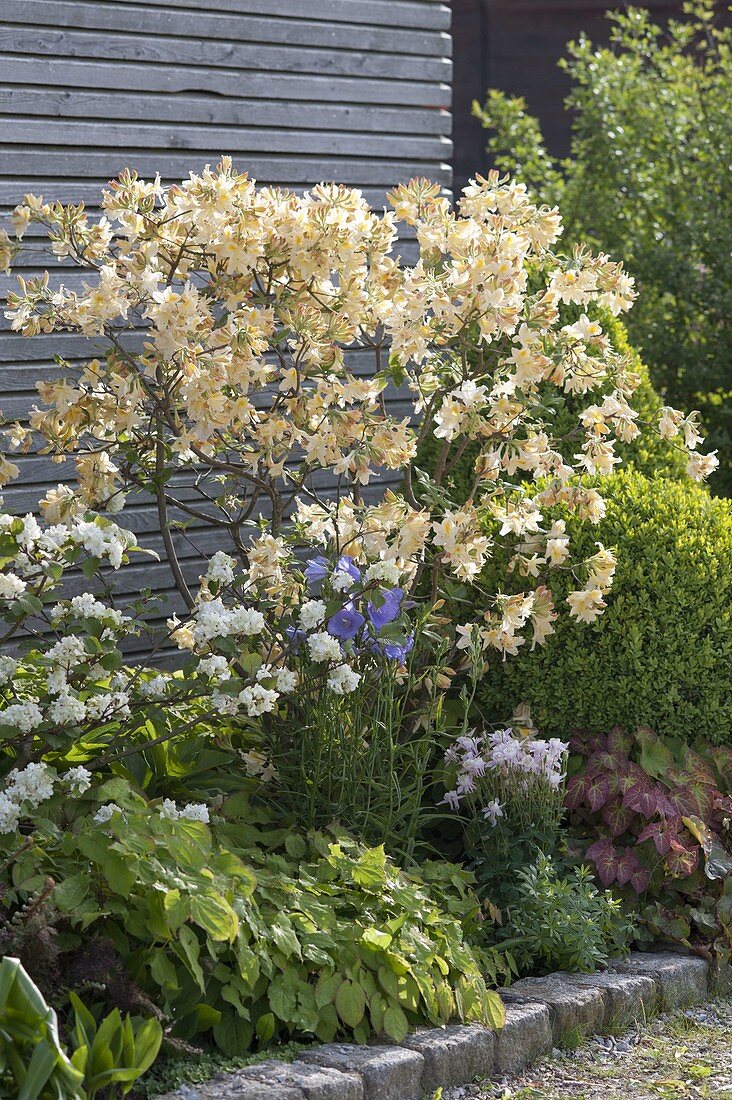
[(576, 793), (642, 797), (617, 817), (598, 791), (662, 833), (682, 861), (605, 857), (631, 870)]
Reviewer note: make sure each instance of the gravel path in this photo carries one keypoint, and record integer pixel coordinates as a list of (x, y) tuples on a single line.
[(683, 1056)]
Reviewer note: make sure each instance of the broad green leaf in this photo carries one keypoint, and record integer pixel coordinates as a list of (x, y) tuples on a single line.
[(395, 1023), (350, 1002), (374, 937), (214, 914)]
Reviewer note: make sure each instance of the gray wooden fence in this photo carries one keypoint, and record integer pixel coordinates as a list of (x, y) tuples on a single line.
[(297, 91)]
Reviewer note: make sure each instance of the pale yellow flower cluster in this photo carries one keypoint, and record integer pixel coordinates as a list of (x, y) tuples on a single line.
[(253, 334)]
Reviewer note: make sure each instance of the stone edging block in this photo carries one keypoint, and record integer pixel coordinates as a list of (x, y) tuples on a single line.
[(540, 1013)]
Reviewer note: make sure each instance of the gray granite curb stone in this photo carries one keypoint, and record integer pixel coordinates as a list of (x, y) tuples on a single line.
[(525, 1037), (388, 1073), (575, 1010), (452, 1055), (628, 997), (682, 980), (540, 1013)]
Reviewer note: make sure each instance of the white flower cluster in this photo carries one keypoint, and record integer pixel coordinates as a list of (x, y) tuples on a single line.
[(194, 811), (324, 647), (34, 784), (214, 620), (221, 568), (343, 680)]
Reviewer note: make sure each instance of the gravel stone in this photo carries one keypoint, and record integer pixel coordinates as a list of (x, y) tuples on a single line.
[(453, 1055), (574, 1010), (389, 1073), (682, 979), (526, 1036)]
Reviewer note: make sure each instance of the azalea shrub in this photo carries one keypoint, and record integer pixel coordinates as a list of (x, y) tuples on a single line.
[(654, 817)]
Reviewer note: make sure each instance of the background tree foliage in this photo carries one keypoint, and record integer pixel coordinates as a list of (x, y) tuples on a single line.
[(648, 180)]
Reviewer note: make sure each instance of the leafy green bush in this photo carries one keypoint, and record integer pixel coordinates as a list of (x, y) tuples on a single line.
[(562, 922), (243, 935), (661, 654), (648, 180), (654, 817), (648, 453)]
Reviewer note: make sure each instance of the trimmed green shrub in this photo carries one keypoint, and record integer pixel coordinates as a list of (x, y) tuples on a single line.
[(648, 453), (661, 654)]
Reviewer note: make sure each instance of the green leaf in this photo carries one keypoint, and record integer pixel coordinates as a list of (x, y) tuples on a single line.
[(375, 938), (120, 872), (350, 1002), (369, 870), (655, 758), (214, 914), (395, 1023), (265, 1027), (233, 1035), (69, 894)]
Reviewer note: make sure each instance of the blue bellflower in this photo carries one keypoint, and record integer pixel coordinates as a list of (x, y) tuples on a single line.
[(388, 610)]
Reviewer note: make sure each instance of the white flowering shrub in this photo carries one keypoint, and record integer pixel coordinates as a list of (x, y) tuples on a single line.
[(248, 338)]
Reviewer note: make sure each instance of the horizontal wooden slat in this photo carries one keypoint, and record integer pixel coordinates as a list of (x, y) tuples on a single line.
[(238, 140), (391, 13), (67, 103), (255, 56), (27, 162), (209, 25), (116, 74)]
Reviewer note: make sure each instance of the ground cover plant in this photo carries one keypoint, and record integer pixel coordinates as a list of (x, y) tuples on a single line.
[(654, 817), (647, 179), (228, 843)]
